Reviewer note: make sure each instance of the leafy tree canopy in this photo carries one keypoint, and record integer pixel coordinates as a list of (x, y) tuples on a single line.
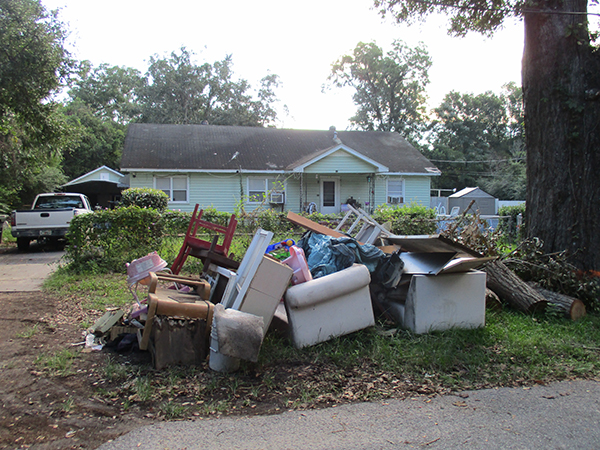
[(389, 87), (477, 140), (179, 91), (110, 92), (561, 75), (465, 15), (96, 141), (33, 66)]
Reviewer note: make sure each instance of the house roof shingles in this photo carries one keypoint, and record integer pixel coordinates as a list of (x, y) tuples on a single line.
[(214, 148)]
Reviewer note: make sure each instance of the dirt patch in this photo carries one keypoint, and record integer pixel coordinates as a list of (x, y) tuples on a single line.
[(56, 396), (44, 405)]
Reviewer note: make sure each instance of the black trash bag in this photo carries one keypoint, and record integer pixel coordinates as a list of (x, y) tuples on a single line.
[(124, 343), (389, 270)]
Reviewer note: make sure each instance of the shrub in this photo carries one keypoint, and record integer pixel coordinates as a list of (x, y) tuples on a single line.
[(145, 198), (267, 219), (508, 226), (410, 219), (175, 222), (103, 241)]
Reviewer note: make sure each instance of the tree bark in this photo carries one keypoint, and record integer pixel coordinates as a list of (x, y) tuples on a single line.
[(570, 306), (510, 288), (561, 93)]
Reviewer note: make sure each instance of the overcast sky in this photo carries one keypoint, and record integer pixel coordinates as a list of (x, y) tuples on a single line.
[(296, 40)]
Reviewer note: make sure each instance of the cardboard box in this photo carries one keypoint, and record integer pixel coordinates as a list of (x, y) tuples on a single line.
[(266, 289)]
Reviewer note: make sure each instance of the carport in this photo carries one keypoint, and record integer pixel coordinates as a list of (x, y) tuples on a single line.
[(103, 186)]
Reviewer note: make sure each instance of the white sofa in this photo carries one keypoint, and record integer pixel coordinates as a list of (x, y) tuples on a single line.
[(330, 306)]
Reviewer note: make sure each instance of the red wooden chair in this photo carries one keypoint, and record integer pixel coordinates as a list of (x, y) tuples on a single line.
[(206, 251)]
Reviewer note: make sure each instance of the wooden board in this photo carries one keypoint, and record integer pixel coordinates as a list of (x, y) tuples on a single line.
[(312, 226)]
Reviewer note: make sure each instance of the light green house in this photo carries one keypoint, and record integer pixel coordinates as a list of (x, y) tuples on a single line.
[(226, 167)]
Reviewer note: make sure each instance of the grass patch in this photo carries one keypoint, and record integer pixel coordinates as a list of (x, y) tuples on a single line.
[(143, 388), (95, 292), (113, 371), (58, 364), (29, 332), (512, 348), (377, 363), (172, 411)]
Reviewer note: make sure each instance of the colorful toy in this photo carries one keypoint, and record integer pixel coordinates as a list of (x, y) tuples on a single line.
[(279, 245)]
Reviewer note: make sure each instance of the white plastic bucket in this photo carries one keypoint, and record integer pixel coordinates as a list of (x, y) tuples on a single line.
[(217, 361)]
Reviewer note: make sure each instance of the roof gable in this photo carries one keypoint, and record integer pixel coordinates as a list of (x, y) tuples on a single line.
[(211, 148), (473, 192), (103, 173), (357, 160)]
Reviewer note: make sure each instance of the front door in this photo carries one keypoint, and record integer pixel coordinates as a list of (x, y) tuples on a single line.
[(330, 195)]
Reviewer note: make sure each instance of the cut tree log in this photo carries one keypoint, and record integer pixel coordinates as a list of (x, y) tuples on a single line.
[(510, 288), (570, 306)]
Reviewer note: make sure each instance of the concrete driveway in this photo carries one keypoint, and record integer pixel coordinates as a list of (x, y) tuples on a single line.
[(26, 271)]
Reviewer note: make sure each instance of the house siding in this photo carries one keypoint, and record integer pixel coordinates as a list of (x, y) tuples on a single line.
[(355, 185), (416, 189), (222, 191), (340, 162)]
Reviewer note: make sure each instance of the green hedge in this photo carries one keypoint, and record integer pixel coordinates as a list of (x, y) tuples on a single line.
[(410, 219), (145, 198), (103, 241)]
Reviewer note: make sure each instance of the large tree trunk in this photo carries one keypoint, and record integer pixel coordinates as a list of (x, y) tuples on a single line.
[(561, 82)]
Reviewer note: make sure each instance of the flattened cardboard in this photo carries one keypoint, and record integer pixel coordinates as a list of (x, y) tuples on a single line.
[(431, 243), (425, 263)]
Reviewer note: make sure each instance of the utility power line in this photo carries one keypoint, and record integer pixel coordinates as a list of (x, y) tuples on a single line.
[(475, 162)]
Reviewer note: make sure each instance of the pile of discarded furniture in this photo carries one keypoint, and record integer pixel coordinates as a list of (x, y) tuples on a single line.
[(333, 283)]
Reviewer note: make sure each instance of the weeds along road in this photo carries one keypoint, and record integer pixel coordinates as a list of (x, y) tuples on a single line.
[(561, 415)]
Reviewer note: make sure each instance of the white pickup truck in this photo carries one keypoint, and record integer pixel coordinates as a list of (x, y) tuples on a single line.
[(49, 217)]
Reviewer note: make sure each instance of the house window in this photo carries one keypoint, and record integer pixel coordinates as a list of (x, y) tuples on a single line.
[(265, 189), (395, 191), (175, 187)]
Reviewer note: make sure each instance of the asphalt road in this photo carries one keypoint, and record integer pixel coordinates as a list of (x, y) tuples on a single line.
[(26, 271), (563, 415)]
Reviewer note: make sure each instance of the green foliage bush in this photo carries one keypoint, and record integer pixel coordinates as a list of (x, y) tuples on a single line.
[(508, 226), (267, 219), (410, 219), (103, 241), (175, 222), (145, 198)]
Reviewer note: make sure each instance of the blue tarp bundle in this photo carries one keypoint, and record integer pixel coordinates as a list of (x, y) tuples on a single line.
[(326, 254)]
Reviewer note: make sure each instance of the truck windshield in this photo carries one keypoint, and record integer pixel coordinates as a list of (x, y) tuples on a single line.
[(59, 202)]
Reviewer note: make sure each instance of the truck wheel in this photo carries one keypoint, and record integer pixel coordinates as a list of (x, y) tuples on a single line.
[(23, 243)]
